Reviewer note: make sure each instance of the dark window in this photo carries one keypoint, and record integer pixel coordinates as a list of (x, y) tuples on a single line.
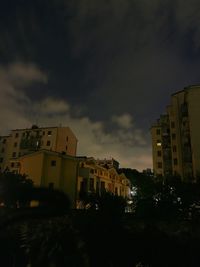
[(1, 160), (23, 134), (97, 187), (4, 141), (14, 154), (83, 185), (159, 165), (116, 191), (2, 150), (15, 144), (16, 135), (159, 153), (67, 139), (174, 148), (102, 185), (19, 155), (49, 133), (53, 163), (66, 147), (48, 143), (91, 187), (158, 131), (51, 185), (43, 132), (175, 161), (172, 124), (173, 136), (91, 171), (12, 164)]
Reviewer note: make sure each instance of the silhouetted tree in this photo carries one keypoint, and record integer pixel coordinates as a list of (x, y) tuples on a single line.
[(15, 189)]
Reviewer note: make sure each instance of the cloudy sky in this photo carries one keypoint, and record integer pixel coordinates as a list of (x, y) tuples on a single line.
[(106, 68)]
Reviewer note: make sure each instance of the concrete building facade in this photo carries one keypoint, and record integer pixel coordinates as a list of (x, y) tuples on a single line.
[(94, 178), (51, 170), (175, 136), (24, 141), (71, 175)]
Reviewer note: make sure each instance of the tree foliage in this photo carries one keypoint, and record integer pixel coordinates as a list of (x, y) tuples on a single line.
[(15, 189)]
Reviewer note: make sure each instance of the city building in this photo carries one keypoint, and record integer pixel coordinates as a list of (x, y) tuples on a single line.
[(51, 170), (175, 136), (94, 178), (72, 175), (108, 163), (24, 141)]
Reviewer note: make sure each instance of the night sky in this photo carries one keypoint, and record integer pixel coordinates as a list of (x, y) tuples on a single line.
[(106, 68)]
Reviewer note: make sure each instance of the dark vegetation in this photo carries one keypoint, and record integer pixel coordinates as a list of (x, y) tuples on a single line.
[(163, 231)]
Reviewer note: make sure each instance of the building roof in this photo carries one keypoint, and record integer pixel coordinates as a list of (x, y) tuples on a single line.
[(45, 151)]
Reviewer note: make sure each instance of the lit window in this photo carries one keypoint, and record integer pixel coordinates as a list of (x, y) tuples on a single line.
[(159, 143)]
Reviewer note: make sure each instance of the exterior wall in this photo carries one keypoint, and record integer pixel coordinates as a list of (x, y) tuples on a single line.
[(66, 141), (25, 141), (194, 126), (95, 178), (183, 114), (49, 169), (32, 166), (157, 150), (4, 147)]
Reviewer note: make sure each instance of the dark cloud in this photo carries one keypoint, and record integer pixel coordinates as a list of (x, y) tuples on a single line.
[(107, 63)]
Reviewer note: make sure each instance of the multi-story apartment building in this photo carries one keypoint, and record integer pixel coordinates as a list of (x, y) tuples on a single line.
[(24, 141), (71, 175), (93, 177), (175, 136)]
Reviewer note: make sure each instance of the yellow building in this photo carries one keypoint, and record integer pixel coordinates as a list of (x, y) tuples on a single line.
[(94, 178), (51, 170), (181, 131), (71, 175), (24, 141)]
